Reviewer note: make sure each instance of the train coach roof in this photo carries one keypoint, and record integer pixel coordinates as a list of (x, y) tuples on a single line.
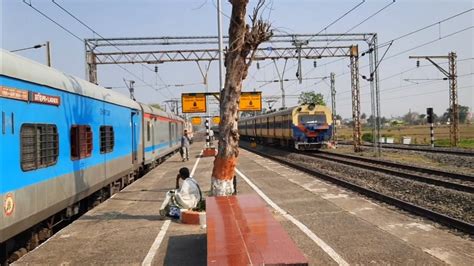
[(18, 67), (155, 111), (282, 112)]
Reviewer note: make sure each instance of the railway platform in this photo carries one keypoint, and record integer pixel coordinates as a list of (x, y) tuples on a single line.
[(330, 225)]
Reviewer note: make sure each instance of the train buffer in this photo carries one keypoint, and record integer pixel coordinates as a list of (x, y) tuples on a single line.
[(241, 231)]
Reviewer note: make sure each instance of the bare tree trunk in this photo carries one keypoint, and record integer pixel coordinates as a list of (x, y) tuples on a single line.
[(243, 41)]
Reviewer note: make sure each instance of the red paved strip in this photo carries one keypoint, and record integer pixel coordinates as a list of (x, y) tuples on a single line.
[(242, 231), (152, 116)]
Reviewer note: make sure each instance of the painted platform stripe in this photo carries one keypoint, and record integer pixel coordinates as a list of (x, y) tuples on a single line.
[(156, 244), (330, 251), (164, 228)]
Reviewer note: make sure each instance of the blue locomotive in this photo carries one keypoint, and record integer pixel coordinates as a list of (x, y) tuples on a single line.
[(64, 140)]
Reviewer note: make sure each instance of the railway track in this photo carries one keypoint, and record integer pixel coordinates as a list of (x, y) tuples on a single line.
[(420, 148), (404, 205), (445, 179)]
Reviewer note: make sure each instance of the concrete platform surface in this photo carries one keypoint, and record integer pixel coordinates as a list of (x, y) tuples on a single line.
[(329, 224)]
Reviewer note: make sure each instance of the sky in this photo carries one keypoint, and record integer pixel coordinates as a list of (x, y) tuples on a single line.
[(22, 26)]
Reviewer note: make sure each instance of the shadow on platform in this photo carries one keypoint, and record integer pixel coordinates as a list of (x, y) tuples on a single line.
[(187, 250)]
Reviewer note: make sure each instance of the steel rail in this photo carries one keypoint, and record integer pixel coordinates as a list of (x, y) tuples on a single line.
[(365, 164), (414, 209), (420, 148)]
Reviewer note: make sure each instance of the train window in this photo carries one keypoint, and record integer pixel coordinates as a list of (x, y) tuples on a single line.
[(81, 142), (107, 139), (312, 119), (148, 130), (39, 146)]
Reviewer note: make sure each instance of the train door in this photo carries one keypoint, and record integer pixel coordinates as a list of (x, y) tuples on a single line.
[(153, 125), (170, 134), (176, 132), (274, 126), (134, 125)]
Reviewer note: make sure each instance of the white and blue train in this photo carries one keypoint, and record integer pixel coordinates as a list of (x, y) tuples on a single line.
[(64, 141)]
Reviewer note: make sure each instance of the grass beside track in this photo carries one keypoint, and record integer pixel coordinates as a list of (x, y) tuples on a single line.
[(422, 160), (420, 134)]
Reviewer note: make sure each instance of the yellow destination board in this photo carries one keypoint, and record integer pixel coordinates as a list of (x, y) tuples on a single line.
[(193, 102), (196, 120), (216, 120), (251, 101)]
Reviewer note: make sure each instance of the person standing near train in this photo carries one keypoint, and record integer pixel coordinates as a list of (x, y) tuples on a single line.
[(185, 146)]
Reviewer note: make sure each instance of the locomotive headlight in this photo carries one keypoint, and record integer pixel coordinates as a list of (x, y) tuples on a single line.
[(311, 107)]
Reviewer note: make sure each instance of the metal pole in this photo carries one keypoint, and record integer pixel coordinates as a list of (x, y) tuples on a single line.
[(453, 99), (432, 134), (377, 95), (333, 103), (355, 97), (372, 100), (208, 138), (48, 54), (221, 52), (280, 76)]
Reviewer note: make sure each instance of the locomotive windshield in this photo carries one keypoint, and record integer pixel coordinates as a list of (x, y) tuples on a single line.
[(312, 119)]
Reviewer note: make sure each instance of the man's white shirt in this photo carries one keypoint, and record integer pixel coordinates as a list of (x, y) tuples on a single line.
[(188, 195)]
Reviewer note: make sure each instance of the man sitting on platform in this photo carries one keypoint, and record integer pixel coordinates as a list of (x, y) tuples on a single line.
[(186, 197)]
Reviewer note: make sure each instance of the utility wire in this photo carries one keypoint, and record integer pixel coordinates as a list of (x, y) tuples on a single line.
[(362, 22), (339, 18), (427, 27), (353, 27), (52, 20), (82, 41), (398, 88), (437, 23), (103, 38), (416, 47)]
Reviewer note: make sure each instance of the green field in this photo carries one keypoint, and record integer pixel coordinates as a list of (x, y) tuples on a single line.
[(419, 134)]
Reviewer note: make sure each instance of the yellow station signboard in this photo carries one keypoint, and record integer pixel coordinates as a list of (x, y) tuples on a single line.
[(251, 101), (196, 120), (216, 120), (193, 102)]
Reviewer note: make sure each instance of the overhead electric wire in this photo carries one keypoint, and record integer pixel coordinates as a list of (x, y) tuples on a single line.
[(103, 38), (426, 27), (416, 47), (402, 87), (52, 20), (339, 18), (82, 40), (352, 28), (437, 23)]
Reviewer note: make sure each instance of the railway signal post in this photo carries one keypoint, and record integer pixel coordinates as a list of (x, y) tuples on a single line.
[(429, 118)]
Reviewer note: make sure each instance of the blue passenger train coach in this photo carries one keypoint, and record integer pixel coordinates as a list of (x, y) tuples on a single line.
[(64, 139)]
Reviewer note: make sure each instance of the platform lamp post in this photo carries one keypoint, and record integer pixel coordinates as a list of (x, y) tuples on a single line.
[(48, 51)]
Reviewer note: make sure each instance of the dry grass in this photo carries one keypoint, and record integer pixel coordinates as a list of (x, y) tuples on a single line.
[(419, 134), (409, 158)]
